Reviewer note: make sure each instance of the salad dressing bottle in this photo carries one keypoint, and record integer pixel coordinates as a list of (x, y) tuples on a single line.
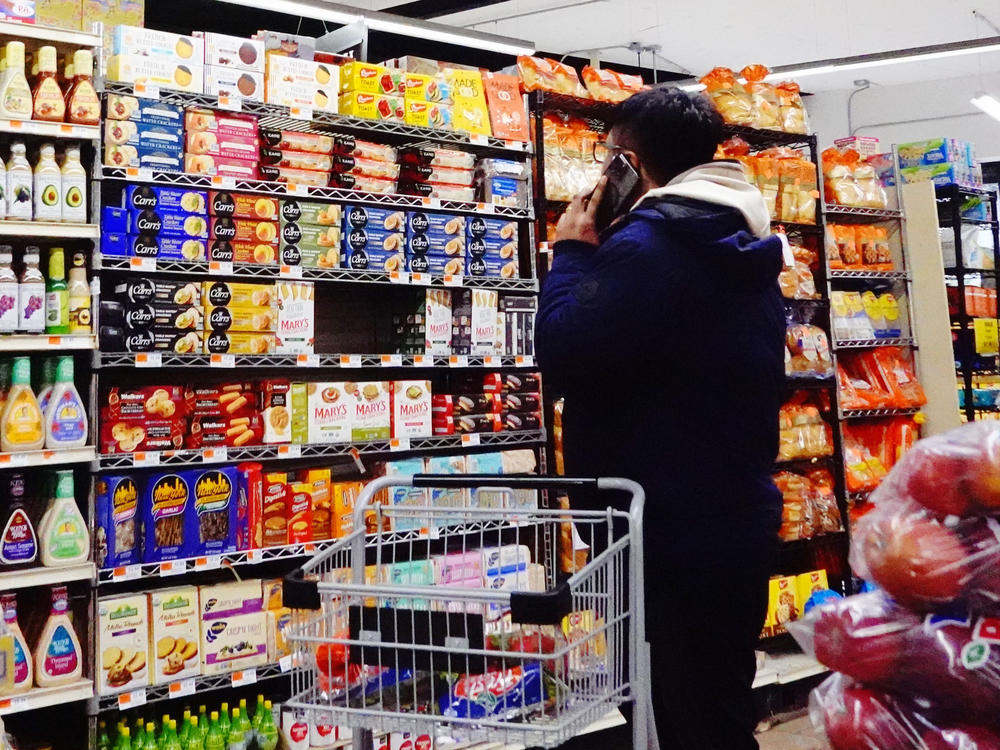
[(15, 94), (57, 294), (24, 676), (82, 105), (46, 382), (31, 294), (18, 542), (49, 103), (74, 186), (64, 535), (57, 655), (48, 185), (65, 415), (21, 426), (8, 291), (19, 183)]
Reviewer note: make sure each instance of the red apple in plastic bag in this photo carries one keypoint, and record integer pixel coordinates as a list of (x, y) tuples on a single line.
[(864, 642), (856, 718), (960, 738)]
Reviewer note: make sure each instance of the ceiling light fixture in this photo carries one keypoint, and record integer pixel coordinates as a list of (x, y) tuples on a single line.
[(393, 24), (987, 103)]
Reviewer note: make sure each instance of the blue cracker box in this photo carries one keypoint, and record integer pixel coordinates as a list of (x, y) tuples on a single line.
[(167, 505), (150, 112), (114, 244), (411, 573), (145, 135), (366, 217), (372, 239), (489, 228), (214, 515), (119, 522), (158, 159), (165, 246), (934, 151), (407, 496), (178, 200), (372, 260), (487, 266), (114, 219), (434, 224), (437, 264), (497, 248), (942, 175), (167, 223), (452, 246)]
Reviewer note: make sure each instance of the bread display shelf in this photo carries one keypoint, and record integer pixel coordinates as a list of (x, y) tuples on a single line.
[(869, 343), (869, 413), (857, 213)]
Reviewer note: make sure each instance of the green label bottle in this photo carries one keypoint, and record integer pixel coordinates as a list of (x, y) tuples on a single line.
[(194, 741), (224, 722), (170, 739), (56, 294), (215, 740), (268, 733), (236, 740)]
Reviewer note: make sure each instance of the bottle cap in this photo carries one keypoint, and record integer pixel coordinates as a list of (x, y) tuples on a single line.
[(47, 59), (83, 62)]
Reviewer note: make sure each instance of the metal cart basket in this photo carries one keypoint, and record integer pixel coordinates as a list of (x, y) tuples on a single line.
[(505, 647)]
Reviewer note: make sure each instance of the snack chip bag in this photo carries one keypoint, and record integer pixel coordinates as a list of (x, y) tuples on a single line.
[(729, 96)]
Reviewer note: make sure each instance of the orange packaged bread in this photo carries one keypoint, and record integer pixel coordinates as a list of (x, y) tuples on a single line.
[(791, 111), (798, 189), (897, 374), (729, 96), (507, 116), (838, 177), (847, 247), (543, 74), (607, 85), (763, 98)]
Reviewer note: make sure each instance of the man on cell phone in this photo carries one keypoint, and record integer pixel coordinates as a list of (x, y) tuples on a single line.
[(662, 324)]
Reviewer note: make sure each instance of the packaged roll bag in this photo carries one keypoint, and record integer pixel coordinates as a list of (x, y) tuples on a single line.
[(798, 190), (768, 182), (729, 96), (810, 351), (608, 85), (566, 80), (847, 247), (833, 256), (838, 178), (872, 193), (764, 104), (791, 111), (535, 73)]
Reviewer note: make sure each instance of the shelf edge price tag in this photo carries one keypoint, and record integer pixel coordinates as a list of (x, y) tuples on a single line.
[(289, 451), (350, 360), (429, 201), (290, 272), (987, 336), (255, 556), (146, 458), (126, 573), (296, 188), (215, 455), (391, 360), (245, 677), (471, 438), (149, 359), (132, 699), (491, 361), (14, 703), (486, 208), (146, 91), (222, 360), (220, 267), (458, 360), (231, 102), (514, 145), (182, 687), (422, 360), (452, 280), (224, 182), (301, 113), (478, 139), (285, 663), (399, 444), (399, 277), (172, 567), (211, 562), (142, 264), (307, 360), (419, 278), (524, 360)]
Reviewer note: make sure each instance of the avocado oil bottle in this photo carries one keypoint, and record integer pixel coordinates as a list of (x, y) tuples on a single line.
[(48, 185)]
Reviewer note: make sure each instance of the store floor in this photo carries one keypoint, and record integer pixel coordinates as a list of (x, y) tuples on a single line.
[(797, 734)]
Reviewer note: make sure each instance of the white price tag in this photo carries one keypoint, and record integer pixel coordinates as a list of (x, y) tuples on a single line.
[(514, 145), (18, 459), (224, 182), (431, 202), (452, 280), (244, 677), (132, 699), (149, 359), (146, 90), (173, 568), (301, 113), (422, 360), (290, 272), (525, 360), (285, 663), (182, 687), (470, 439), (255, 556), (391, 360), (399, 277), (399, 444), (126, 573), (350, 360), (491, 361), (420, 278), (143, 174), (307, 360), (142, 264), (434, 532), (231, 102), (289, 451), (215, 455), (220, 267), (146, 458), (479, 139), (295, 188), (458, 360), (486, 208), (222, 360), (15, 703), (210, 562)]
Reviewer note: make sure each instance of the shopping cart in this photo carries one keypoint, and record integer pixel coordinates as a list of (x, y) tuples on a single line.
[(532, 660)]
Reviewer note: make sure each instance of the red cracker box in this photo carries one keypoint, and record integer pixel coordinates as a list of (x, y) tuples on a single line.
[(149, 435), (152, 401), (242, 205), (221, 399), (231, 432), (220, 123), (243, 230), (299, 512)]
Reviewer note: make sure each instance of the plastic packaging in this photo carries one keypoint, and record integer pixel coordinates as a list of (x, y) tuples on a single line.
[(57, 294), (49, 103), (20, 183), (8, 291), (65, 413), (18, 543), (15, 94), (82, 103), (31, 294), (63, 531), (729, 96), (23, 677), (809, 352), (48, 185), (763, 98), (74, 186), (58, 658), (21, 426)]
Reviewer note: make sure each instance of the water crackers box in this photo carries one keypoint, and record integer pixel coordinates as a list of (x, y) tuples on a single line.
[(451, 497), (403, 496), (118, 521)]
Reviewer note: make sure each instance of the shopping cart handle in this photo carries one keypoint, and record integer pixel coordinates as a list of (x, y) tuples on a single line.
[(298, 593), (541, 608), (527, 481)]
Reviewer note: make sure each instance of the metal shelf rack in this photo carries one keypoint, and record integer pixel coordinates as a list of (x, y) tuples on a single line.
[(325, 361)]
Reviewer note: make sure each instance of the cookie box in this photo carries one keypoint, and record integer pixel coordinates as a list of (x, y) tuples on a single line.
[(330, 413), (373, 260), (440, 190), (238, 294), (243, 148), (228, 431), (175, 633), (349, 146), (308, 213), (364, 183), (243, 230), (236, 84), (513, 420), (278, 620), (219, 342), (249, 530), (372, 418), (167, 507), (155, 290), (148, 221), (118, 521), (322, 510), (229, 599), (296, 330), (299, 512), (165, 246), (157, 71), (242, 206), (512, 382), (157, 159), (150, 112), (437, 157), (361, 167), (155, 198), (232, 51), (122, 643), (311, 177), (469, 423), (220, 399), (150, 435), (214, 510), (149, 137), (455, 405), (145, 402), (292, 140), (220, 123), (274, 402), (274, 508)]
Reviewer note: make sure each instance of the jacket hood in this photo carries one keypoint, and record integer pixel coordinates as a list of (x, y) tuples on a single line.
[(723, 183)]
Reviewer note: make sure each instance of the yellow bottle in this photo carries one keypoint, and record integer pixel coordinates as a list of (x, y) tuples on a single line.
[(22, 424)]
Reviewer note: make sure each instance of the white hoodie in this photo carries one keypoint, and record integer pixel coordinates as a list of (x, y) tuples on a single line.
[(724, 183)]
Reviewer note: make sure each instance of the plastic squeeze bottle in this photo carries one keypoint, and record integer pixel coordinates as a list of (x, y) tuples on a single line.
[(49, 103), (79, 296), (20, 182), (21, 426), (268, 734), (23, 667), (82, 105), (48, 185), (19, 543), (235, 738), (215, 740), (151, 743), (57, 294), (194, 741), (46, 382), (171, 741), (31, 294), (64, 534), (57, 655), (224, 721), (74, 186), (65, 415), (8, 291), (15, 94)]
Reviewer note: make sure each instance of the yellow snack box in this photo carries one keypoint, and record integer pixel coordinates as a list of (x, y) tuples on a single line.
[(782, 604), (239, 319), (372, 106), (220, 342), (175, 633), (366, 77), (277, 644), (807, 584), (428, 114), (272, 593)]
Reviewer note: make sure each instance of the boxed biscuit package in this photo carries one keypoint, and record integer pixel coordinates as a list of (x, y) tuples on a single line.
[(404, 496), (149, 290), (274, 404), (299, 512), (277, 643), (250, 502), (242, 206), (345, 495), (221, 342), (233, 627), (232, 51), (296, 331), (122, 643), (157, 71), (411, 408), (240, 295), (166, 246), (331, 412), (322, 502), (372, 417), (437, 322), (167, 504), (118, 521), (214, 494), (274, 508), (175, 633), (239, 319)]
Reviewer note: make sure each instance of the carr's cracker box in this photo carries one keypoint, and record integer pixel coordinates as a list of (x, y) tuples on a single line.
[(372, 419), (118, 521), (225, 293), (215, 509), (782, 605), (175, 200), (331, 413), (167, 504), (296, 211), (807, 584), (175, 633), (403, 496), (122, 643)]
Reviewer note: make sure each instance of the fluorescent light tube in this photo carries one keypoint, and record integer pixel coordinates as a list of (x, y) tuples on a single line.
[(299, 8), (989, 104)]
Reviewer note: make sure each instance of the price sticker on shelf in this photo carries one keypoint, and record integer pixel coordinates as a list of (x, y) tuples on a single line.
[(391, 360), (301, 113), (452, 280), (296, 188), (420, 278), (146, 458), (146, 90), (181, 688), (514, 145), (126, 573), (54, 340), (307, 360), (220, 267), (350, 360), (290, 272), (458, 360), (222, 360), (244, 677), (399, 444), (479, 139), (143, 174), (986, 336), (14, 124), (524, 360), (215, 455), (224, 182), (132, 699), (429, 201), (486, 208), (209, 562), (470, 439), (17, 459), (231, 102), (491, 361), (255, 556), (16, 703), (422, 360), (142, 264), (285, 663), (149, 359), (399, 277), (172, 568), (289, 451)]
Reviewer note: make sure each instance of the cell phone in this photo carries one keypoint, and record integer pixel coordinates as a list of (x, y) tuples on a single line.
[(622, 179)]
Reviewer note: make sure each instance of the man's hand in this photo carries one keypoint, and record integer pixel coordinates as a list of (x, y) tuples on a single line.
[(578, 221)]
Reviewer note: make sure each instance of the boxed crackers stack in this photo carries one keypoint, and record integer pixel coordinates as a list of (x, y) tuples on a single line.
[(490, 403), (310, 233), (435, 243), (373, 239), (474, 322), (220, 143), (517, 320), (242, 228), (157, 58), (143, 133), (234, 67), (223, 415), (240, 318), (441, 173), (425, 326), (147, 315), (365, 166), (157, 222), (492, 248), (298, 158), (301, 84), (372, 92)]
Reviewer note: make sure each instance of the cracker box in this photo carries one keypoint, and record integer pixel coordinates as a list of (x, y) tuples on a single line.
[(158, 159), (157, 71), (232, 51), (237, 642), (782, 605), (299, 512), (277, 643), (331, 413), (250, 501), (295, 211), (322, 502), (411, 408), (228, 599), (145, 137), (437, 322), (404, 496), (373, 259), (118, 521), (373, 106), (296, 333), (166, 222), (239, 319), (363, 217), (372, 419), (274, 509), (156, 198), (411, 573), (447, 497), (221, 342), (807, 584), (271, 589), (149, 290), (273, 402), (299, 404), (486, 463), (136, 40), (166, 247), (175, 633), (150, 112), (239, 295), (242, 206), (167, 505), (345, 494), (214, 493), (122, 643)]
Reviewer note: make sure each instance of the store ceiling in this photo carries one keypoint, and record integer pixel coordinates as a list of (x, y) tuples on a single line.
[(700, 35)]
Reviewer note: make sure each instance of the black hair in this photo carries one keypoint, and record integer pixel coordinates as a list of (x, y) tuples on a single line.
[(669, 129)]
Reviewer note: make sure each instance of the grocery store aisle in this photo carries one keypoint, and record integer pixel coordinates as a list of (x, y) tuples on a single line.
[(793, 735)]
